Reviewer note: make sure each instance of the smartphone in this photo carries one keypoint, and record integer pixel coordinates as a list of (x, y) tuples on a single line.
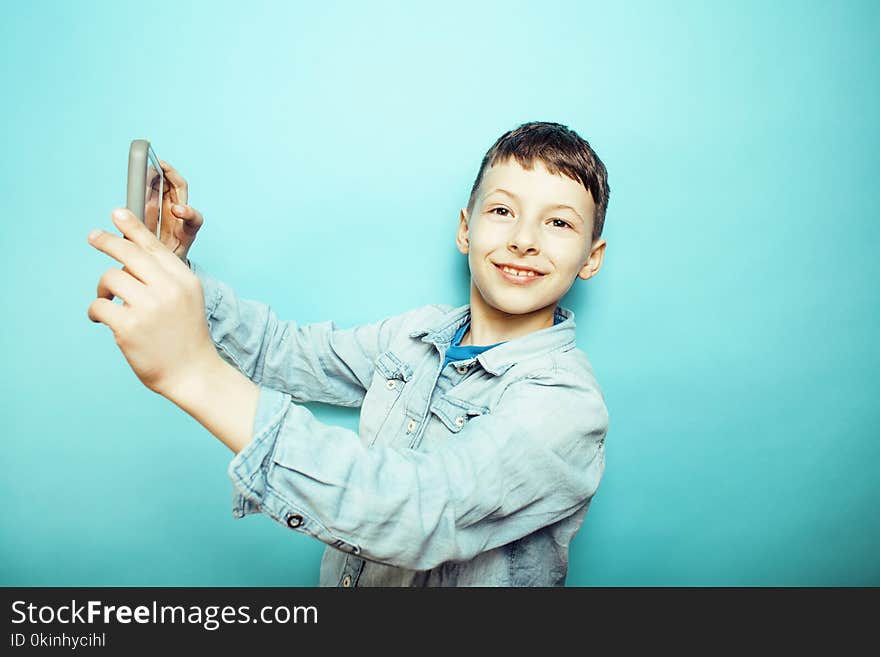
[(146, 185)]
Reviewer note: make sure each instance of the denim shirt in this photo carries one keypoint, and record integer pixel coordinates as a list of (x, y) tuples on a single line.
[(477, 473)]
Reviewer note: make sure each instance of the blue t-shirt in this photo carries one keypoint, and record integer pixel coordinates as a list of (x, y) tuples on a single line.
[(457, 352)]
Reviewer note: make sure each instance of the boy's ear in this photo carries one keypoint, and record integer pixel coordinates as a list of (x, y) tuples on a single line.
[(594, 263), (461, 238)]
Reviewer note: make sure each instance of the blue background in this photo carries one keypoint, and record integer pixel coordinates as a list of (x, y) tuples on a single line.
[(330, 147)]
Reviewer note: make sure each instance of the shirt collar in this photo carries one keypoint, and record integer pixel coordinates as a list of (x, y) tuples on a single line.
[(502, 357)]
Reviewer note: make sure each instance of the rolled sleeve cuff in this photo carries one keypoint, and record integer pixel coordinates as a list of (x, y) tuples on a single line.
[(210, 286), (255, 490), (249, 467)]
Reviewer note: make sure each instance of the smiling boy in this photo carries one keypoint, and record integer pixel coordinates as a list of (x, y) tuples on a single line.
[(542, 234), (481, 437)]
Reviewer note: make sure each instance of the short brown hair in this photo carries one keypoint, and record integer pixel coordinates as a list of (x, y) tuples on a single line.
[(561, 150)]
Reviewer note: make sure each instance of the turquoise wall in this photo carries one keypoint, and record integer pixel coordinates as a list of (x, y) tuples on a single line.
[(330, 147)]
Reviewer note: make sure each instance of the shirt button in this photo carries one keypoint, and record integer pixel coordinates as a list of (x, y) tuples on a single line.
[(410, 426), (294, 520), (346, 581), (459, 421), (391, 384)]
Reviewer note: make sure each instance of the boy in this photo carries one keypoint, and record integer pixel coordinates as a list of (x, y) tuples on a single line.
[(482, 427)]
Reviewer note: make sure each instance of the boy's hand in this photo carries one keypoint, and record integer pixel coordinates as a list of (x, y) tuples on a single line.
[(184, 222), (161, 327)]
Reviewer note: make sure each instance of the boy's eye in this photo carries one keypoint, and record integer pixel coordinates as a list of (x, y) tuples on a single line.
[(506, 213)]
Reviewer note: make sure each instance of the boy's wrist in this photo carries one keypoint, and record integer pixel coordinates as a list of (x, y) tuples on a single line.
[(192, 380), (220, 398)]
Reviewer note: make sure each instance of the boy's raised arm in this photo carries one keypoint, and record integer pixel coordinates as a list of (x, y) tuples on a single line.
[(534, 460), (310, 362)]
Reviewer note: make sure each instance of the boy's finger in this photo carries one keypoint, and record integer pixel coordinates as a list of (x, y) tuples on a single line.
[(182, 211), (185, 211), (191, 217), (141, 253), (121, 284), (176, 180), (166, 167), (106, 312), (136, 260)]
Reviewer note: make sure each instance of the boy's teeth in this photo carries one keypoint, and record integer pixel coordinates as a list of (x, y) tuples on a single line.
[(519, 272)]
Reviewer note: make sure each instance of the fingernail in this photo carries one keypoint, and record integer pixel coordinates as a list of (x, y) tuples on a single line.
[(94, 235), (178, 208), (119, 214)]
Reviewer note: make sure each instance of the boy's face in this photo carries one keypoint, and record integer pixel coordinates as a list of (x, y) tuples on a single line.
[(526, 227)]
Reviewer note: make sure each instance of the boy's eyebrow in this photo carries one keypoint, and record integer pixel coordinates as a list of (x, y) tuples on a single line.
[(552, 207)]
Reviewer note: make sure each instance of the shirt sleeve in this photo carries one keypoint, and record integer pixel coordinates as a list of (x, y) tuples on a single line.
[(318, 362), (536, 459)]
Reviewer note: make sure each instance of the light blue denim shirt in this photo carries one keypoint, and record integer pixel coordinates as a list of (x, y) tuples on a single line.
[(478, 473)]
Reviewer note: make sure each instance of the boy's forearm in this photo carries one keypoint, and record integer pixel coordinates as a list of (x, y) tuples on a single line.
[(222, 399)]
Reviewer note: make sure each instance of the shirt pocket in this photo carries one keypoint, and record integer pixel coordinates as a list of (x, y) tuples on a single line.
[(449, 416), (392, 367), (390, 378)]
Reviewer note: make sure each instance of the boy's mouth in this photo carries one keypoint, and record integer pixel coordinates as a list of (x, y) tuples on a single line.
[(517, 275)]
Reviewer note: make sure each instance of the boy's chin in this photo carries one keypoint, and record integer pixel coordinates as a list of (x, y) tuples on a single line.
[(514, 306), (512, 302)]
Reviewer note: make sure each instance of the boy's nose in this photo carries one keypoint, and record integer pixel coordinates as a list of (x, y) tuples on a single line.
[(523, 240)]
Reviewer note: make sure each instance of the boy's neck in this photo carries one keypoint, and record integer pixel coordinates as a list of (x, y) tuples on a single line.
[(490, 326)]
